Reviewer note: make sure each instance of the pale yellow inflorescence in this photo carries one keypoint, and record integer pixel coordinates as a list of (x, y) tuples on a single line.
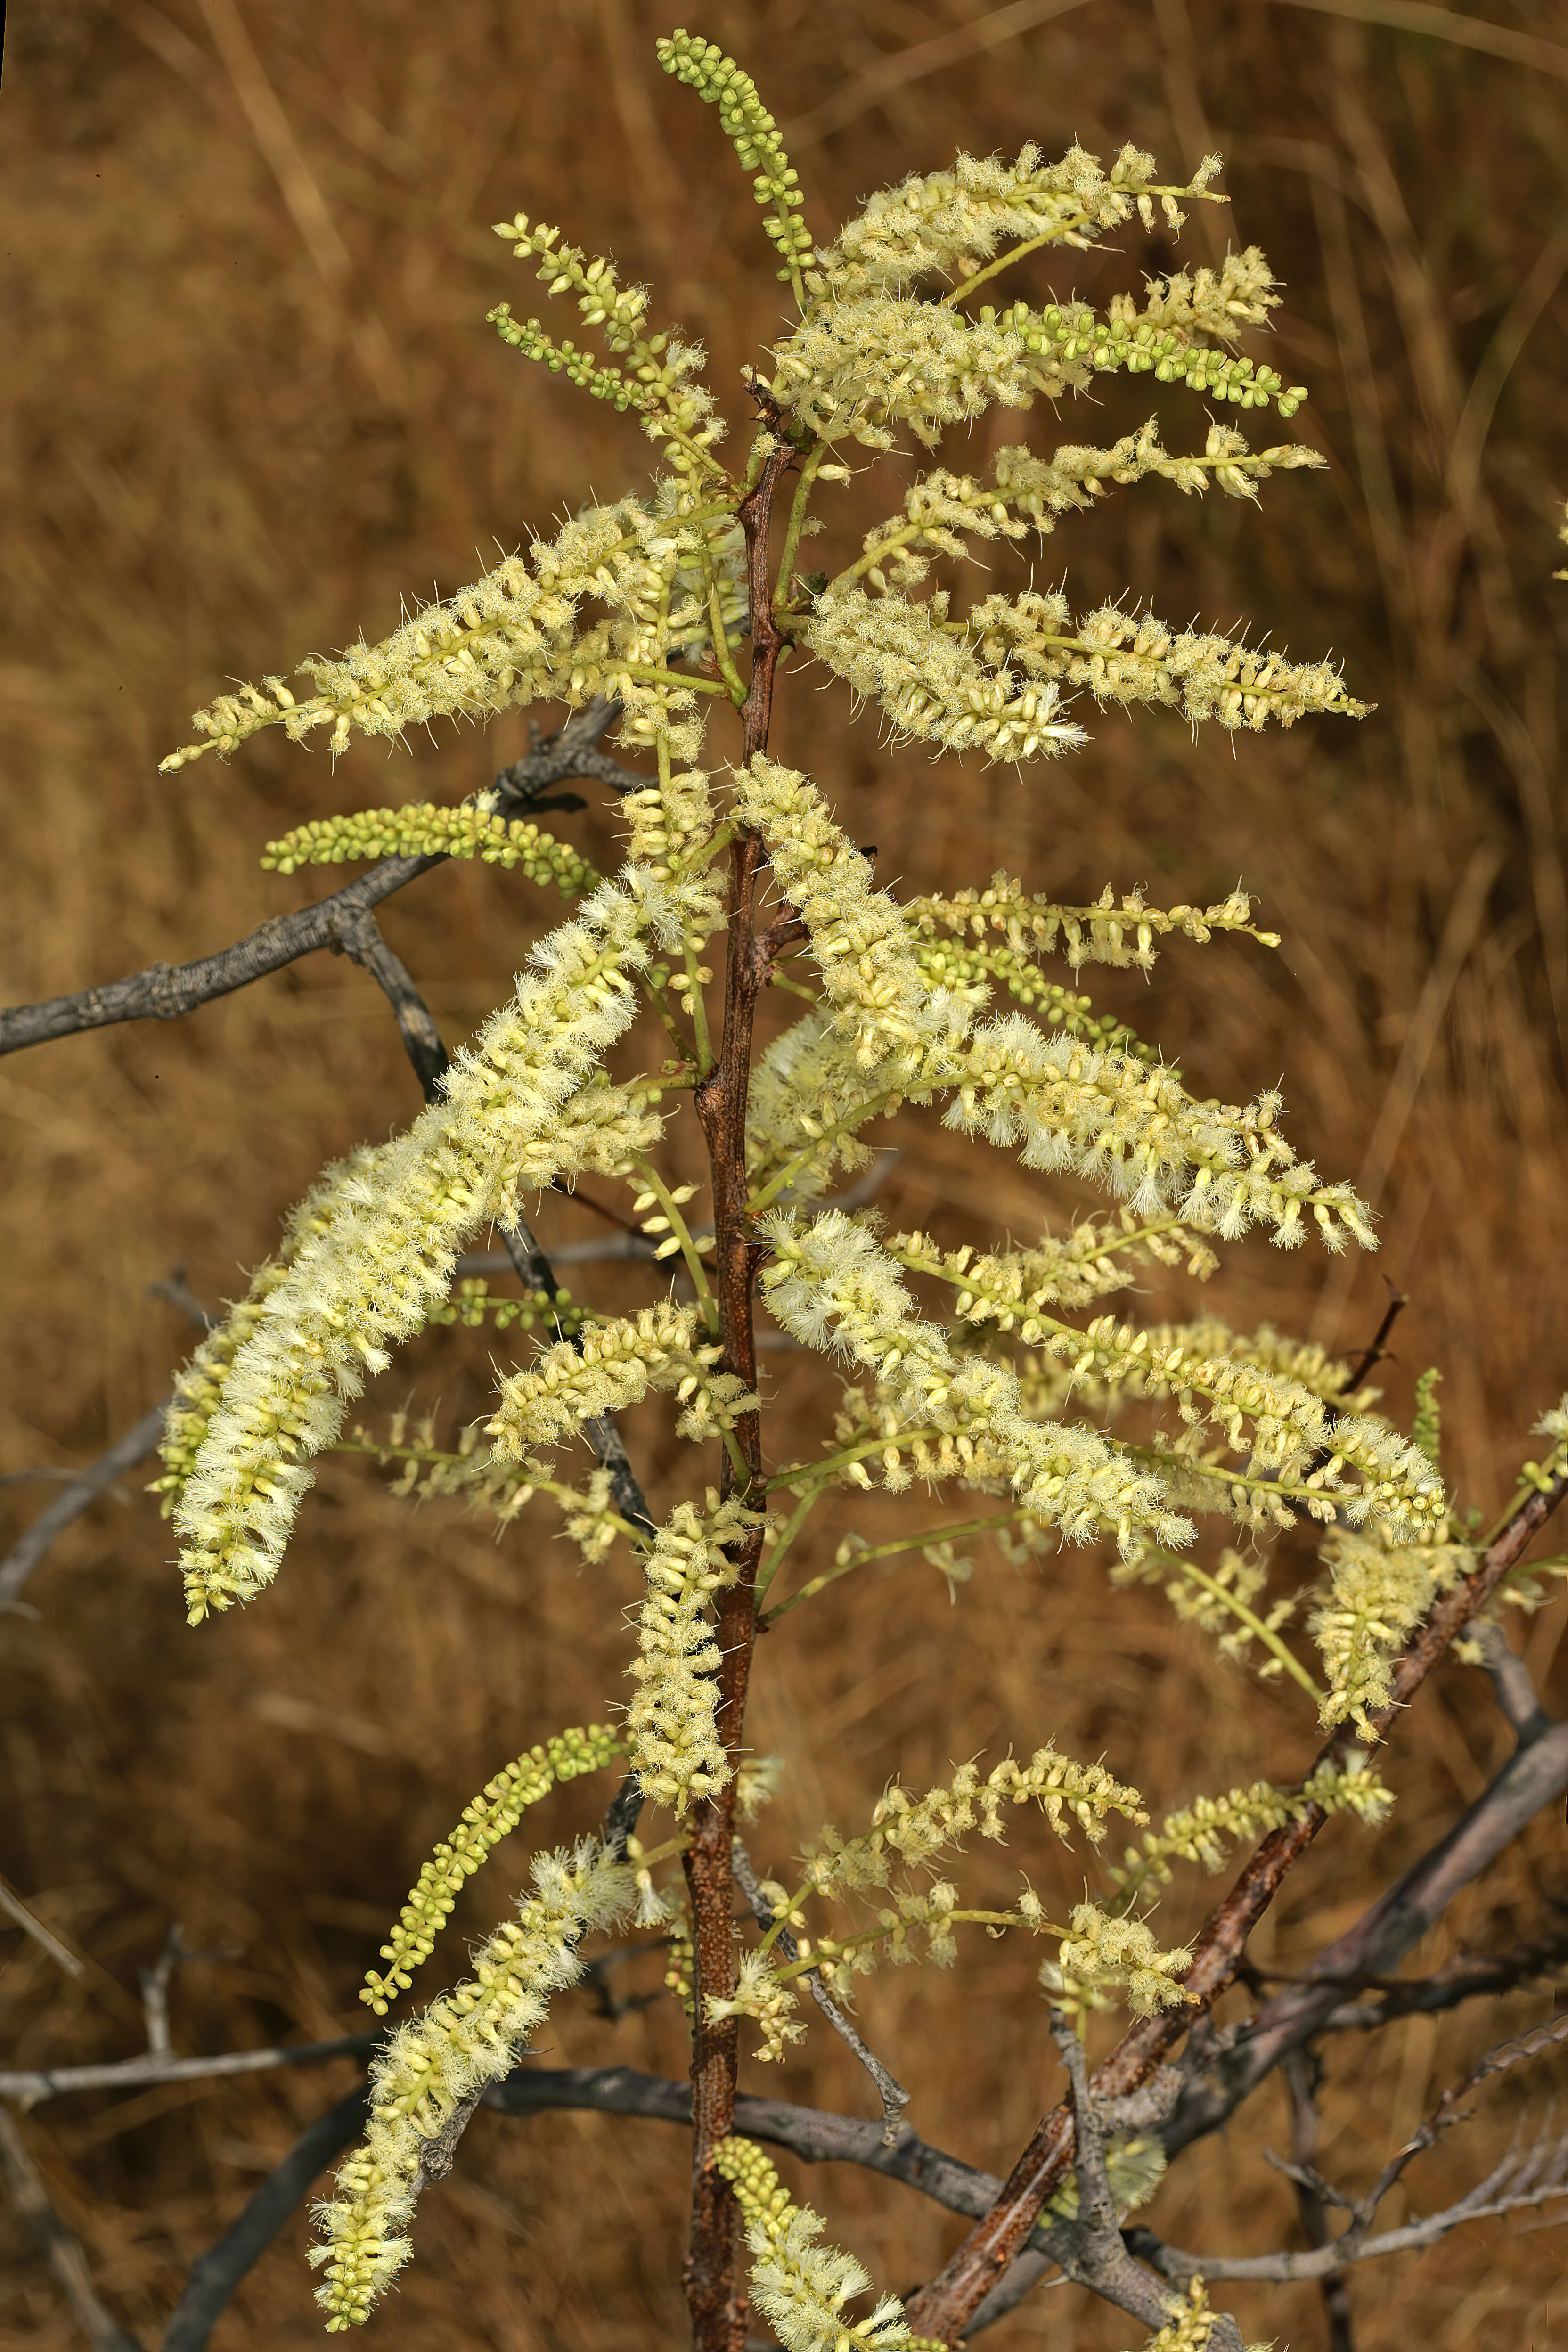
[(520, 1106), (659, 378), (941, 222), (670, 866), (932, 682), (1104, 1954), (941, 511), (671, 1724), (991, 681), (810, 1093), (799, 2285), (831, 1284), (504, 1488), (1225, 1599), (870, 353), (703, 67), (1203, 1830), (1193, 2326), (765, 2001), (1269, 1395), (871, 981), (671, 824), (910, 1833), (1118, 931), (857, 368), (467, 2037), (1278, 1423), (1378, 1590), (513, 638), (1008, 1288), (615, 1364), (914, 1833), (1221, 1167)]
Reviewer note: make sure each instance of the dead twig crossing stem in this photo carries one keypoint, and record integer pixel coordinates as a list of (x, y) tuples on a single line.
[(79, 1495)]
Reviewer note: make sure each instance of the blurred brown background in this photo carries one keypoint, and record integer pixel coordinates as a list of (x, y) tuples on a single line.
[(249, 404)]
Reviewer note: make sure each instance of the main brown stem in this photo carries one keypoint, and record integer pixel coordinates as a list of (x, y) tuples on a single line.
[(714, 2291), (945, 2308)]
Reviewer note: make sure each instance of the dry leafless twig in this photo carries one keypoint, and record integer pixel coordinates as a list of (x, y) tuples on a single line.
[(165, 991)]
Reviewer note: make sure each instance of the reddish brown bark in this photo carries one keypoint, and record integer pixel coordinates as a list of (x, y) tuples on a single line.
[(715, 2291), (943, 2308)]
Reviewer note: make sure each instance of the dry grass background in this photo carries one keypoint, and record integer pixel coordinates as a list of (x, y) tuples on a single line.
[(249, 402)]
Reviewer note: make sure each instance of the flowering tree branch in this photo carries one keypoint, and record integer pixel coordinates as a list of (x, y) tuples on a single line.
[(814, 2136), (943, 2308), (1532, 1779), (641, 608)]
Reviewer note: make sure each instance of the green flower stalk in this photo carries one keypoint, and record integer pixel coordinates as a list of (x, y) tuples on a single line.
[(494, 1813), (428, 831), (703, 67)]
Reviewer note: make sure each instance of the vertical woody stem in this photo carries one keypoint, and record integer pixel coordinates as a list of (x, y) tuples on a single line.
[(713, 2289)]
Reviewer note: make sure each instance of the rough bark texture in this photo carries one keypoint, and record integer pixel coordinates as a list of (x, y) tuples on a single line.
[(714, 2286), (944, 2307)]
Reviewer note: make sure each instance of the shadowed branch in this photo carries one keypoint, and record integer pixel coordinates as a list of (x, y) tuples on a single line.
[(944, 2307), (165, 992)]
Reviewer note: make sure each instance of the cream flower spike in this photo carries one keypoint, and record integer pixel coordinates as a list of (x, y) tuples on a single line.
[(469, 2037), (799, 2285), (831, 1284), (385, 1254), (871, 977)]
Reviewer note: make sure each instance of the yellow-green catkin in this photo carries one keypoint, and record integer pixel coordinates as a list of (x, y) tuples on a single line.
[(493, 1814)]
